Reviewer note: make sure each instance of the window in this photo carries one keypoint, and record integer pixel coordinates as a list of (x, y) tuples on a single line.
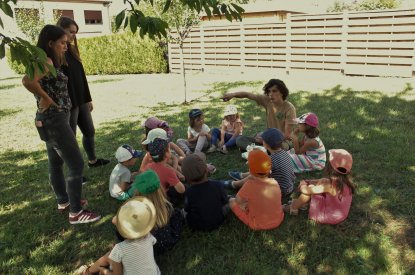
[(66, 13), (93, 17)]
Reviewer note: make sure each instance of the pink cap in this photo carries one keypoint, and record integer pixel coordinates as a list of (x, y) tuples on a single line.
[(309, 119), (152, 122), (341, 160)]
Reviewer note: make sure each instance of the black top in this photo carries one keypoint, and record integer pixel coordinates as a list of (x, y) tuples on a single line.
[(203, 204), (77, 84), (56, 88)]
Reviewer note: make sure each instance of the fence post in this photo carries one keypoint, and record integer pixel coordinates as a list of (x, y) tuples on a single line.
[(202, 48), (242, 49), (343, 50), (288, 43)]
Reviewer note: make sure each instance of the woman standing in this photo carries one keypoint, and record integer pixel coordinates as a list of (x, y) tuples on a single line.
[(52, 123), (79, 93)]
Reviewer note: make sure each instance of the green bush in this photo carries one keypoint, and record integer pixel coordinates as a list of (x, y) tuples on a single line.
[(121, 54)]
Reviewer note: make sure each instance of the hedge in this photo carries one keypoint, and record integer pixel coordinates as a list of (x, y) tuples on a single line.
[(124, 53)]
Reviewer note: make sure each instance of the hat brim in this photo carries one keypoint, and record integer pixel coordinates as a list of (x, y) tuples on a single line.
[(145, 142), (129, 233)]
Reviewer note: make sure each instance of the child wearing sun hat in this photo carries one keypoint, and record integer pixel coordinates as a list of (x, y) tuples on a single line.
[(134, 221), (258, 202)]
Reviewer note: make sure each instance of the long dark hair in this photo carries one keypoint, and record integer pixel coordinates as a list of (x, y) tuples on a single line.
[(339, 179), (47, 34), (65, 23)]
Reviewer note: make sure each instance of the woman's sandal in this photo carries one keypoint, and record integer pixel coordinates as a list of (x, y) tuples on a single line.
[(287, 209)]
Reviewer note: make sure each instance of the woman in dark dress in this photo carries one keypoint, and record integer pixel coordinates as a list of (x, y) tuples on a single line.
[(79, 93)]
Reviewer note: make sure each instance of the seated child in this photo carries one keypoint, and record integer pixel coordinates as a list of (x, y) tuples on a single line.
[(134, 220), (282, 168), (169, 221), (309, 154), (153, 123), (231, 128), (176, 156), (206, 202), (198, 133), (330, 198), (258, 202), (160, 154), (121, 177)]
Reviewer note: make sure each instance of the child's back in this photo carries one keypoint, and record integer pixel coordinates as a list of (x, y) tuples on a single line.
[(264, 209), (282, 171), (136, 256), (204, 205), (329, 209)]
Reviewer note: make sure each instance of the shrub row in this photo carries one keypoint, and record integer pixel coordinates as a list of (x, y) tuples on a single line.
[(124, 53)]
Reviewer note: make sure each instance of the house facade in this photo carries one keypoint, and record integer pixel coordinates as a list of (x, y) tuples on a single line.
[(92, 16)]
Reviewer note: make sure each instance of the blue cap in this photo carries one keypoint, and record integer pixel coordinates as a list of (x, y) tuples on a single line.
[(195, 113), (273, 137)]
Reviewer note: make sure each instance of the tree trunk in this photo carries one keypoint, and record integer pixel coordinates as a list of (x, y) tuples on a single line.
[(183, 73)]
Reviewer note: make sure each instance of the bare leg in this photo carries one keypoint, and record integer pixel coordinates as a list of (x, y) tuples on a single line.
[(239, 183), (300, 201)]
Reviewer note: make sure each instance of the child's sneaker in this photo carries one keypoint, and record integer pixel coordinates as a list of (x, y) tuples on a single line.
[(84, 216), (223, 150), (228, 184), (235, 175), (63, 207), (212, 148)]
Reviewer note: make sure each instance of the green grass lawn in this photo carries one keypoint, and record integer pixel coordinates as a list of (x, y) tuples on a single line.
[(378, 236)]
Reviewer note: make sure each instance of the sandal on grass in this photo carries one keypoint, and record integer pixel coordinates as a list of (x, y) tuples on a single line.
[(288, 209), (83, 270)]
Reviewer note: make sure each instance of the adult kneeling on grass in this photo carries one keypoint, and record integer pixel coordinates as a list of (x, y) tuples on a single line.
[(280, 112)]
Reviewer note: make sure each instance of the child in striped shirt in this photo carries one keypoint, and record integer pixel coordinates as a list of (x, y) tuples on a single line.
[(309, 154)]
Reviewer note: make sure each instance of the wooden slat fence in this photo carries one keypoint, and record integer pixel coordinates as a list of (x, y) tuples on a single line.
[(374, 43)]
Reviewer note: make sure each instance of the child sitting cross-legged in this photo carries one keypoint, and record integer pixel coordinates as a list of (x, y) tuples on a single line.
[(134, 221), (121, 176), (282, 168), (258, 202), (206, 202), (330, 198)]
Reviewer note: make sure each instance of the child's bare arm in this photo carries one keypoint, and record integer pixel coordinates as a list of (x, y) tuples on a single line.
[(319, 187), (242, 203), (124, 186), (177, 149), (146, 160), (116, 268), (191, 138), (180, 188)]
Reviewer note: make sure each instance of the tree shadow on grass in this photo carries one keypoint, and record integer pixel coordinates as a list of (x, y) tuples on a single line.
[(377, 237)]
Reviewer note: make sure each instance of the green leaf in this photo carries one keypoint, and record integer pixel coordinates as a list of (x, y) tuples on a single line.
[(2, 50), (166, 6), (126, 22), (207, 10), (133, 22), (6, 9), (238, 8), (119, 19), (30, 70)]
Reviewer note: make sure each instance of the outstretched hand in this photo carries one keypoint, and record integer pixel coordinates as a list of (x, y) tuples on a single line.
[(227, 97)]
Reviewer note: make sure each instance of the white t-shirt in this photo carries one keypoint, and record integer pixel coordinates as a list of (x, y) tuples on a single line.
[(192, 131), (119, 174), (136, 256)]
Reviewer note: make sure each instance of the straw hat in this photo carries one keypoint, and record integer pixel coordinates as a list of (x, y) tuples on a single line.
[(136, 218)]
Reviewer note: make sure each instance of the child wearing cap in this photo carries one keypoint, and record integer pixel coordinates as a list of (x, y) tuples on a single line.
[(330, 197), (121, 176), (198, 133), (176, 156), (160, 154), (281, 168), (206, 202), (231, 128), (258, 202), (134, 221), (153, 123), (309, 154)]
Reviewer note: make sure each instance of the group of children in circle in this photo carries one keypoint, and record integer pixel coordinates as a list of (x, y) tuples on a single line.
[(170, 175)]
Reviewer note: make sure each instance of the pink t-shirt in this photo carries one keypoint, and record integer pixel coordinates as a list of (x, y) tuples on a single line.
[(230, 127), (328, 209), (166, 174)]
